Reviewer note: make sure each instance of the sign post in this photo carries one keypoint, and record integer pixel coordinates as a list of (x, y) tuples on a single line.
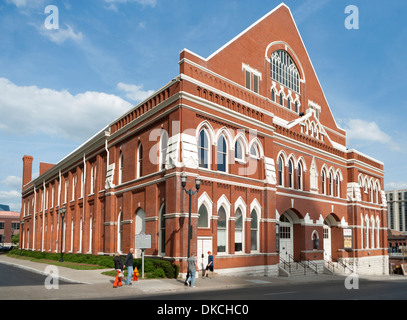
[(142, 241), (347, 239)]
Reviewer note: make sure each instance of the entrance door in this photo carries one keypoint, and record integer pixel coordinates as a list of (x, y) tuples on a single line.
[(327, 243), (204, 245), (286, 238)]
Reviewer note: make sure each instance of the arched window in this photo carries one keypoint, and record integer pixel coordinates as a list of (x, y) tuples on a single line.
[(254, 150), (323, 178), (162, 230), (163, 148), (290, 174), (239, 231), (299, 173), (281, 99), (273, 95), (203, 149), (280, 171), (284, 70), (203, 221), (338, 186), (289, 103), (330, 184), (140, 161), (222, 230), (222, 154), (239, 151), (121, 168), (254, 231)]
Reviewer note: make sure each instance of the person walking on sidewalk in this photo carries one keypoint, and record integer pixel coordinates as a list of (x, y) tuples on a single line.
[(192, 266), (209, 266), (129, 265), (118, 265)]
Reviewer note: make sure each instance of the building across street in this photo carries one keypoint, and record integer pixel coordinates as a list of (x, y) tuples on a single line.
[(249, 128)]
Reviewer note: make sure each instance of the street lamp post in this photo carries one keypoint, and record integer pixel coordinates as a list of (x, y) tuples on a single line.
[(21, 237), (61, 212), (190, 192)]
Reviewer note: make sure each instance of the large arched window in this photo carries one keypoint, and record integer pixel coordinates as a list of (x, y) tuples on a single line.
[(238, 231), (163, 148), (203, 149), (162, 230), (290, 174), (222, 154), (284, 70), (140, 161), (280, 171), (121, 168), (222, 230), (254, 231), (203, 221)]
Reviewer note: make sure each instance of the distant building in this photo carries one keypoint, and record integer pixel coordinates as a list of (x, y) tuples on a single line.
[(397, 210), (4, 207), (9, 225)]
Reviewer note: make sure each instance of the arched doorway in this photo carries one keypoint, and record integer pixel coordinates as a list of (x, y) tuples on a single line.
[(331, 231), (286, 237)]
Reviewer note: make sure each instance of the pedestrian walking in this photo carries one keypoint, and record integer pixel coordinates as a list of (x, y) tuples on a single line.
[(192, 267), (129, 265), (209, 266), (118, 265)]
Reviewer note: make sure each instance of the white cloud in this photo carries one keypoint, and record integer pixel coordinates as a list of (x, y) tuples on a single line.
[(151, 3), (358, 129), (26, 3), (13, 182), (10, 195), (29, 110), (134, 92), (395, 186), (61, 35)]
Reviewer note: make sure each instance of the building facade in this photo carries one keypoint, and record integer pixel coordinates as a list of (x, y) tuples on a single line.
[(397, 210), (9, 226), (252, 121)]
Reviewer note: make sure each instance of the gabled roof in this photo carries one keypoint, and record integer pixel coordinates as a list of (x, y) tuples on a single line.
[(275, 30)]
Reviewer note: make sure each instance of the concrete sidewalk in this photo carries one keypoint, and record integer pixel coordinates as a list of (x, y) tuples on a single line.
[(93, 284)]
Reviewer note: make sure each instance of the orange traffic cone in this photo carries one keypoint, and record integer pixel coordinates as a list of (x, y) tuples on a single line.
[(135, 274), (118, 280)]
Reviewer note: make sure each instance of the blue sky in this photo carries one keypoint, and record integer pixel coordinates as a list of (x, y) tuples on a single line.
[(59, 87)]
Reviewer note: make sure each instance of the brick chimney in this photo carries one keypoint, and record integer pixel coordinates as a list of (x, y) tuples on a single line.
[(27, 169)]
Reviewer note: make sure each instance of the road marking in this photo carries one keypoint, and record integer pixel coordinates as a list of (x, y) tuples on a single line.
[(275, 293)]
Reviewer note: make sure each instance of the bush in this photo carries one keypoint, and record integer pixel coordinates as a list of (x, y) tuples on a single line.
[(157, 268)]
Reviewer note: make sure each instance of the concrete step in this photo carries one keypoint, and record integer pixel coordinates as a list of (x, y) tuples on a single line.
[(296, 269)]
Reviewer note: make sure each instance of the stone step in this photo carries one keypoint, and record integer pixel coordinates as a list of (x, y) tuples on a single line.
[(297, 270)]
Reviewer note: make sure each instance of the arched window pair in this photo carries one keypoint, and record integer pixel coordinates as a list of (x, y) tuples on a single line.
[(222, 150), (139, 168), (295, 174), (331, 182), (239, 245)]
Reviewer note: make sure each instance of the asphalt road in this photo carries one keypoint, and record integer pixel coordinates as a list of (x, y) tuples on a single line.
[(332, 290)]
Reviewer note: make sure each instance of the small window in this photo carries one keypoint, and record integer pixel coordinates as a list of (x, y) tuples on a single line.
[(256, 83), (281, 99), (273, 96), (238, 151), (248, 79), (289, 103)]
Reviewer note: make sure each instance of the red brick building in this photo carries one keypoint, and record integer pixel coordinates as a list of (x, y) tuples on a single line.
[(252, 121)]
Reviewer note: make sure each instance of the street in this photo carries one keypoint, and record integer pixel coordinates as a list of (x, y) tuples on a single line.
[(332, 290)]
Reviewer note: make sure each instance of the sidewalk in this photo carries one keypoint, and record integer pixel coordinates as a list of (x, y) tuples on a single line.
[(96, 285)]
